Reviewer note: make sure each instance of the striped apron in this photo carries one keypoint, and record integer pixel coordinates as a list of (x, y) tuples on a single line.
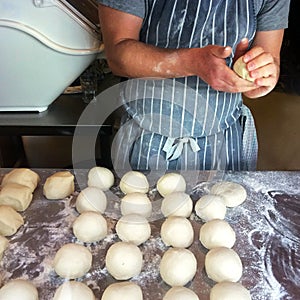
[(183, 124)]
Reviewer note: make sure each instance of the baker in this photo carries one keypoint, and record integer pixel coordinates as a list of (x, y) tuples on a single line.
[(183, 99)]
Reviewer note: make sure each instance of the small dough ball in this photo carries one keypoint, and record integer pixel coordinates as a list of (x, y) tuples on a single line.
[(124, 260), (241, 69), (217, 233), (233, 193), (134, 181), (91, 199), (19, 289), (22, 176), (90, 227), (59, 185), (229, 291), (177, 204), (136, 203), (16, 195), (178, 266), (3, 245), (10, 220), (133, 228), (74, 290), (123, 290), (177, 232), (72, 261), (223, 264), (180, 293), (101, 177), (210, 207), (171, 182)]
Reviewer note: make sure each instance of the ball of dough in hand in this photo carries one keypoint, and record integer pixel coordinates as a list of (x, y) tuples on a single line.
[(124, 260), (10, 220), (229, 291), (136, 203), (177, 204), (101, 177), (171, 182), (233, 193), (178, 266), (19, 289), (72, 261), (180, 293), (177, 232), (217, 233), (223, 264), (70, 290), (22, 176), (90, 227), (210, 207), (91, 199), (134, 182), (123, 290), (133, 228), (59, 185), (241, 69)]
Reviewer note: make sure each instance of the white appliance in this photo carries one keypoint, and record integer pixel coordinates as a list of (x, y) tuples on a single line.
[(45, 45)]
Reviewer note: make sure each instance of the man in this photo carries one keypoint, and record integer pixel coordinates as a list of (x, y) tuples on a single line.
[(187, 110)]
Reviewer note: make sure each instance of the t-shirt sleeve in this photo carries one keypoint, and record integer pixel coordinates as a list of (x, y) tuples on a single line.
[(134, 7), (273, 15)]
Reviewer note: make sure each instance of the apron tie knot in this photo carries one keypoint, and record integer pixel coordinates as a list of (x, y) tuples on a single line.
[(174, 146)]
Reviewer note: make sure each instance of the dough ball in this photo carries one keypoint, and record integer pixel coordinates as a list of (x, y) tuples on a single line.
[(3, 245), (133, 228), (241, 69), (91, 199), (59, 185), (229, 291), (233, 193), (22, 176), (178, 266), (101, 177), (10, 220), (136, 203), (134, 181), (72, 261), (123, 290), (74, 290), (210, 207), (177, 232), (16, 195), (180, 293), (90, 227), (177, 204), (223, 264), (171, 182), (19, 289), (217, 233), (124, 260)]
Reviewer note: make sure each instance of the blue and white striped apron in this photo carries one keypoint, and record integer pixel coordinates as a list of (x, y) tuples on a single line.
[(183, 123)]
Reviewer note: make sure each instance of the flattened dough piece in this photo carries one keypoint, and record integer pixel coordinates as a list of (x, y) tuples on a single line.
[(233, 193), (10, 220), (59, 185), (240, 68), (16, 195), (3, 245), (22, 176)]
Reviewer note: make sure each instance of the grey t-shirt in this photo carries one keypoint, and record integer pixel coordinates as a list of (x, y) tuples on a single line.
[(270, 14)]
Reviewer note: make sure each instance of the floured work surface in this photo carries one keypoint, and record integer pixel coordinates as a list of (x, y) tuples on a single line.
[(267, 226)]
